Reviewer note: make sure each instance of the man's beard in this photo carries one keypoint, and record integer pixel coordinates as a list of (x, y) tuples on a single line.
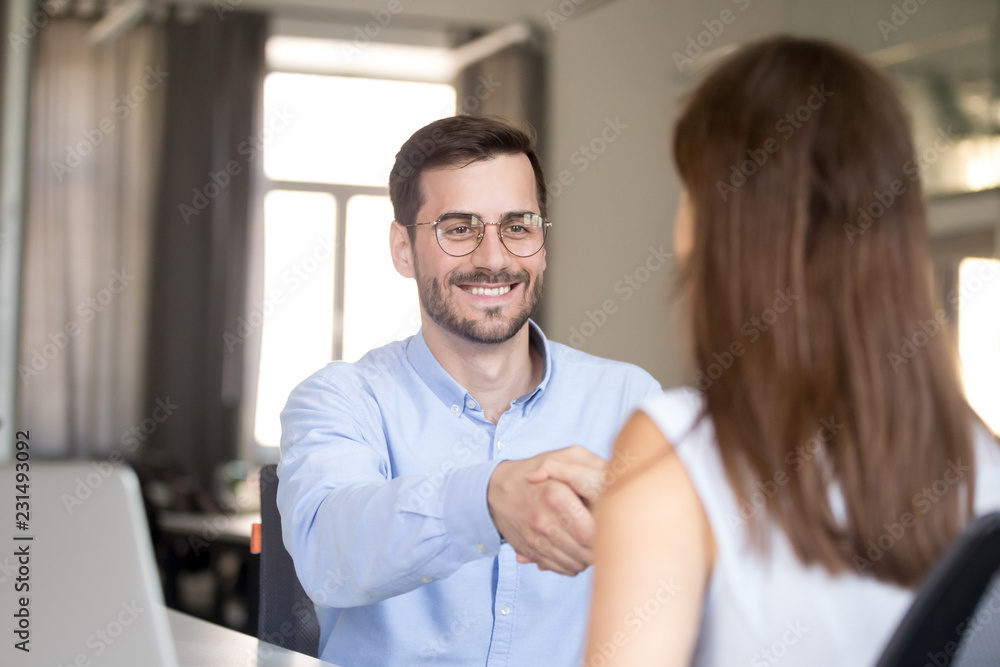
[(491, 327)]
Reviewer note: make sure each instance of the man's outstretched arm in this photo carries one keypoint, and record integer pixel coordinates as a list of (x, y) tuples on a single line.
[(357, 536)]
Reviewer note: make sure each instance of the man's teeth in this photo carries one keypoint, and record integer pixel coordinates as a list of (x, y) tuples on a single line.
[(488, 291)]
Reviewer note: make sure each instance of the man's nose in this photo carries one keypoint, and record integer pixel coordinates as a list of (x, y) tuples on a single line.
[(491, 253)]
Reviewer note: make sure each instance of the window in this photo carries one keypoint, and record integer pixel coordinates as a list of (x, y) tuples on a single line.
[(329, 285), (979, 335)]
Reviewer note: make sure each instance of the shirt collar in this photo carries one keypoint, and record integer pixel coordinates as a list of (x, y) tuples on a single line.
[(451, 392)]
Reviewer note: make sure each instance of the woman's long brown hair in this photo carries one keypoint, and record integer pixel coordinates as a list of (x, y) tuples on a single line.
[(822, 350)]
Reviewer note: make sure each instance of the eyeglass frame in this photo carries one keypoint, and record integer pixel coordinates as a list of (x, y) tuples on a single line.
[(544, 227)]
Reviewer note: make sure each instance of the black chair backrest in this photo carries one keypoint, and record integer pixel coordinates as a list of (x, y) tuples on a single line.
[(954, 620), (287, 617), (981, 641)]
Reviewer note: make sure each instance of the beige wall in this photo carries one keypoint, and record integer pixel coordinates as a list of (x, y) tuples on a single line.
[(616, 63)]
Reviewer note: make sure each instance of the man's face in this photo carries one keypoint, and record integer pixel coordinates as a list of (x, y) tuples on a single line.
[(491, 189)]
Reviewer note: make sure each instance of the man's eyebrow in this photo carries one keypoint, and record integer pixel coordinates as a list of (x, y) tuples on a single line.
[(504, 216)]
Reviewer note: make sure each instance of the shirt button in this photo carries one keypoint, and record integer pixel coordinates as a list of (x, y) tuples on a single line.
[(481, 548), (455, 409), (426, 580), (500, 444), (505, 610), (471, 404)]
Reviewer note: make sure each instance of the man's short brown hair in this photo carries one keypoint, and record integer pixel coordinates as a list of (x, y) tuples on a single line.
[(456, 141)]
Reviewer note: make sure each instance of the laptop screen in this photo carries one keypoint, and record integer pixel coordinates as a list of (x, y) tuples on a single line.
[(78, 583)]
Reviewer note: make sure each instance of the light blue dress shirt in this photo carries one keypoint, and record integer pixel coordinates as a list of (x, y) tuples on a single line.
[(383, 476)]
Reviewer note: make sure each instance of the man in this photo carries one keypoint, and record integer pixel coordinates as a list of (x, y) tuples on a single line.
[(417, 484)]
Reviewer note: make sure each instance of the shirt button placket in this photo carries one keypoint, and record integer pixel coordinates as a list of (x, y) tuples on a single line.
[(503, 620)]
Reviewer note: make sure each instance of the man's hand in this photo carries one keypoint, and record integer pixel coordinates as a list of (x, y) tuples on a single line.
[(539, 505)]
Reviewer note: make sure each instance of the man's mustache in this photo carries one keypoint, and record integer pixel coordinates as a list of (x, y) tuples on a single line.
[(501, 277)]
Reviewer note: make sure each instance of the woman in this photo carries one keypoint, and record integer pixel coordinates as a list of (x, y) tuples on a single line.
[(784, 511)]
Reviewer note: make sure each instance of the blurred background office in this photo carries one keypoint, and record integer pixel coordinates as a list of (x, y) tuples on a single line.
[(195, 212)]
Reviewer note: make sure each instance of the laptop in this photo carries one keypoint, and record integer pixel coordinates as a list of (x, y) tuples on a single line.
[(78, 582)]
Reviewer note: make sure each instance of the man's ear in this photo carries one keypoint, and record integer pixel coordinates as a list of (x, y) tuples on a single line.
[(402, 250)]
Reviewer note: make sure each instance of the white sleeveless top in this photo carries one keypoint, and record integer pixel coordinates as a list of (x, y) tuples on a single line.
[(764, 611)]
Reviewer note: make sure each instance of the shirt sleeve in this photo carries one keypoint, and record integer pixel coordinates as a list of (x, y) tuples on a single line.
[(356, 535), (650, 388), (643, 388)]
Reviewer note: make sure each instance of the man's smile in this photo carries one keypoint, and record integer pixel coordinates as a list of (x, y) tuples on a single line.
[(488, 290)]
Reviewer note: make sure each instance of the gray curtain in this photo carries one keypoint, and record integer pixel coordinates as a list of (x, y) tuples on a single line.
[(211, 152), (510, 84), (94, 144)]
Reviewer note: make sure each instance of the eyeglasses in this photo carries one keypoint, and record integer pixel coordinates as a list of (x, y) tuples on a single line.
[(459, 234)]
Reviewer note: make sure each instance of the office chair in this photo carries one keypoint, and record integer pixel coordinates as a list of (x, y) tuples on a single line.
[(287, 617), (954, 620)]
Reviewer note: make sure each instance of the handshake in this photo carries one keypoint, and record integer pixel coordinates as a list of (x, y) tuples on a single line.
[(542, 506)]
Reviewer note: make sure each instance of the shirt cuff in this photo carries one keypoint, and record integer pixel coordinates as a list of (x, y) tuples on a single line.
[(467, 513)]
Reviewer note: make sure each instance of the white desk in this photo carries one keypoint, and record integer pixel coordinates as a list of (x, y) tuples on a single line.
[(203, 644)]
